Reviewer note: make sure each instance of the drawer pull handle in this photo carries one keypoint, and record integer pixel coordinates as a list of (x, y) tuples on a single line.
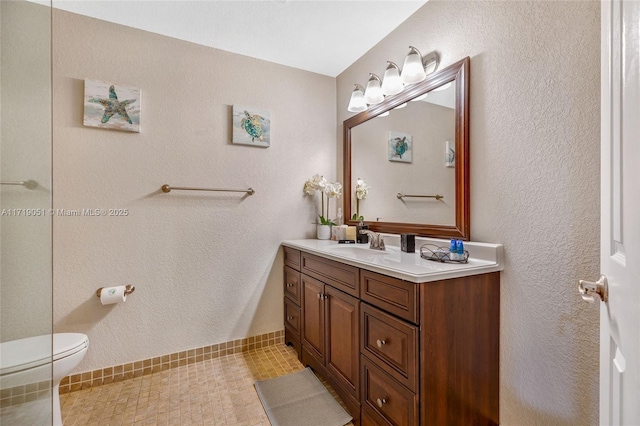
[(319, 295), (289, 318), (381, 402), (289, 285), (380, 343), (325, 297)]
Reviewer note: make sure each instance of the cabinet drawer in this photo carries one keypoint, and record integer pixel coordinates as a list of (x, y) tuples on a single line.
[(292, 257), (292, 284), (341, 276), (392, 344), (391, 294), (366, 419), (384, 399), (292, 317)]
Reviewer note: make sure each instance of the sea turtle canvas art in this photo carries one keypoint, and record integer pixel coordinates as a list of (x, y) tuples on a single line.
[(111, 106), (251, 126), (400, 147)]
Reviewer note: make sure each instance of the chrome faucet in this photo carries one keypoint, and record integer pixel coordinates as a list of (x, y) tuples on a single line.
[(375, 240)]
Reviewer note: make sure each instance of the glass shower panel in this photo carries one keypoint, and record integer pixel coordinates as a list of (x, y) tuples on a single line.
[(25, 224)]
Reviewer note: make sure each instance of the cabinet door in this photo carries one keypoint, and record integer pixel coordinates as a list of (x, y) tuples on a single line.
[(313, 316), (342, 330)]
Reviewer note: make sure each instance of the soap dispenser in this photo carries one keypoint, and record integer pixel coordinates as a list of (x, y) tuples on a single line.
[(460, 250), (362, 238)]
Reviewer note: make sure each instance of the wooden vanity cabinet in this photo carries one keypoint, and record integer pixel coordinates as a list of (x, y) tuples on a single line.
[(330, 336), (313, 334), (460, 350), (292, 292), (398, 353), (330, 332)]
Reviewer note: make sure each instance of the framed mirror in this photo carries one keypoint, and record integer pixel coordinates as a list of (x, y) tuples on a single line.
[(413, 151)]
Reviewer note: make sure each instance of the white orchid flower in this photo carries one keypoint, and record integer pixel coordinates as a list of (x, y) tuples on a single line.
[(334, 190), (331, 190), (319, 182), (309, 188), (362, 189)]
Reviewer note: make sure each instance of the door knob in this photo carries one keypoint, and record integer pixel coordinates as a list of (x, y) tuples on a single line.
[(380, 343), (591, 290), (381, 402)]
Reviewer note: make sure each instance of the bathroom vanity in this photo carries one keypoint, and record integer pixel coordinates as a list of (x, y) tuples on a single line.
[(403, 340)]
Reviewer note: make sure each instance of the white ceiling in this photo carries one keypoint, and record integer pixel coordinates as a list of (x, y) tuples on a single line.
[(314, 35)]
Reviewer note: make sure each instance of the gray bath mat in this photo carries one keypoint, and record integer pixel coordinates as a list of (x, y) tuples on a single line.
[(299, 399)]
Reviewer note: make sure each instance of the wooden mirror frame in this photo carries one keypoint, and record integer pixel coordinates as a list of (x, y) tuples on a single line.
[(459, 72)]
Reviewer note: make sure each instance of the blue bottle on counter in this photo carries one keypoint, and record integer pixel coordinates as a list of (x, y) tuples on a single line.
[(453, 250), (460, 250)]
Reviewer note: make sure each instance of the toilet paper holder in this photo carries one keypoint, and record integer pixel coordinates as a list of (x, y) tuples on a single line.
[(128, 290)]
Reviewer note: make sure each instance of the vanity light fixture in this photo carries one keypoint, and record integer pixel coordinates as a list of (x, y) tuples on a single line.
[(416, 68), (391, 82), (413, 69), (373, 94), (357, 103)]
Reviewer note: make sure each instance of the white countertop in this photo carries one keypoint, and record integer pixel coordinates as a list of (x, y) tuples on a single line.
[(483, 258)]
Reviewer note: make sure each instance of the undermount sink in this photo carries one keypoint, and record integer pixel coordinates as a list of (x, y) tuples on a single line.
[(409, 267), (360, 250)]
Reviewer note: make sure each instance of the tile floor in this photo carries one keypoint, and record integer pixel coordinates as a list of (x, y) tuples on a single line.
[(211, 392), (29, 413)]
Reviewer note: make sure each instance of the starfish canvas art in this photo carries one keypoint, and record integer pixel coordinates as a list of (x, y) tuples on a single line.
[(111, 106)]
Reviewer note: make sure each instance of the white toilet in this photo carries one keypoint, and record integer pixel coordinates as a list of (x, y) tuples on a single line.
[(28, 360)]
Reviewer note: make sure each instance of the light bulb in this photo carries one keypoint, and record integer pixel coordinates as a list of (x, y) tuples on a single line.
[(413, 69), (443, 87), (357, 103), (373, 95), (420, 98), (391, 82)]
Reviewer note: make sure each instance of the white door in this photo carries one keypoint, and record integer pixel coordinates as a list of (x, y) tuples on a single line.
[(620, 215)]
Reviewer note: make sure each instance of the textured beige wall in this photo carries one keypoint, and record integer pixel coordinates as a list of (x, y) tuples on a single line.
[(534, 182), (25, 153), (207, 267)]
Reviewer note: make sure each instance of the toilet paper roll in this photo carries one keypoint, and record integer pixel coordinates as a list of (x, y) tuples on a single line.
[(111, 295)]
